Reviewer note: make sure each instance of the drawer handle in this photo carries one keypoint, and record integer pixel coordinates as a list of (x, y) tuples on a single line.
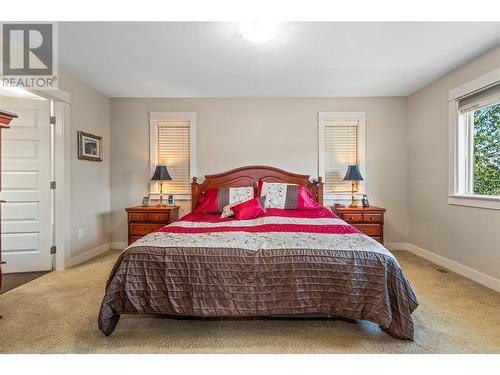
[(157, 218), (351, 218), (371, 217)]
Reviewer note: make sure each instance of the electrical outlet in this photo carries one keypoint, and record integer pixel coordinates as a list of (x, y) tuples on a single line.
[(80, 234)]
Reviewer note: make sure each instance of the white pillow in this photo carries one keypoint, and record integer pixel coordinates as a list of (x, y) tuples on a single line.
[(277, 194)]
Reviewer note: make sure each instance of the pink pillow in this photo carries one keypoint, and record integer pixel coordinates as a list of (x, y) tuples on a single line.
[(248, 210)]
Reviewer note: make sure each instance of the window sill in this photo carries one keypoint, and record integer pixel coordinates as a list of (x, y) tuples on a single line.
[(180, 197), (479, 201), (342, 196)]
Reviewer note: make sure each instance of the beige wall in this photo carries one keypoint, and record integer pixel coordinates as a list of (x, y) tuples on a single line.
[(470, 236), (281, 132), (407, 159), (90, 181)]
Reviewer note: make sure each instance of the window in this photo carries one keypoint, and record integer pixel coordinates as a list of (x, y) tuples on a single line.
[(172, 143), (475, 143), (341, 143)]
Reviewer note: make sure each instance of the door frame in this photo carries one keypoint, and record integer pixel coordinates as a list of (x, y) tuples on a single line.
[(60, 151)]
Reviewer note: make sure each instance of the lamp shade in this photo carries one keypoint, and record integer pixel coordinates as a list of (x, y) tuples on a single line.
[(353, 174), (161, 174)]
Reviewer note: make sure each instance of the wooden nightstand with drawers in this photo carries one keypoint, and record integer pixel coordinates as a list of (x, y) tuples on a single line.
[(143, 220), (369, 220)]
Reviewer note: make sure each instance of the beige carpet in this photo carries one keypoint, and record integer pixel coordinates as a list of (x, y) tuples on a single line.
[(57, 313)]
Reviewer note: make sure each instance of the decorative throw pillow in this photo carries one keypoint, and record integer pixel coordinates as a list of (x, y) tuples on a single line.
[(286, 196), (214, 200), (248, 210), (227, 211)]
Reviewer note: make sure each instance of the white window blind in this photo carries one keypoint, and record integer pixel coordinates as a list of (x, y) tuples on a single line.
[(480, 99), (341, 150), (174, 152)]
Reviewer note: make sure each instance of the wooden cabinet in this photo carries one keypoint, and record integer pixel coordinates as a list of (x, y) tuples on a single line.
[(369, 220), (143, 220)]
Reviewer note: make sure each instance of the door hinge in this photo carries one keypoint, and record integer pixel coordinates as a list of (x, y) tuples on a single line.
[(53, 249), (53, 120), (52, 184)]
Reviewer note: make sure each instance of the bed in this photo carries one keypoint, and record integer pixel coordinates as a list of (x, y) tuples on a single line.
[(283, 263)]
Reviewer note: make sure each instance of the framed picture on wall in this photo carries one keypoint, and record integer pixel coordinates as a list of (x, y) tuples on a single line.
[(89, 146)]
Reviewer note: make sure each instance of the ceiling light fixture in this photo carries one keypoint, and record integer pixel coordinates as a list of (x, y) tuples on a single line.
[(259, 32)]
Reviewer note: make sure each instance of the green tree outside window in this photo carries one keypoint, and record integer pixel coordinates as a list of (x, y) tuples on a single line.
[(487, 150)]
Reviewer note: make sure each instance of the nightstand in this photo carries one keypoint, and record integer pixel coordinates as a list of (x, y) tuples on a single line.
[(369, 220), (143, 220)]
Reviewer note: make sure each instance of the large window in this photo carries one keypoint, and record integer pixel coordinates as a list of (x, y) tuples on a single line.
[(341, 143), (172, 143), (475, 130)]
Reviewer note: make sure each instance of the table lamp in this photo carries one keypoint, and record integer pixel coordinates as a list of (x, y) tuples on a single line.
[(161, 174), (353, 175)]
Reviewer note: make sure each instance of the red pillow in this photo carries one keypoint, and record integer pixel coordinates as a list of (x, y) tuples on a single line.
[(248, 210), (208, 202)]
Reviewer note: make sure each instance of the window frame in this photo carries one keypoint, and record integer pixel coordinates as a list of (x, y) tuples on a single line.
[(323, 118), (154, 118), (460, 176)]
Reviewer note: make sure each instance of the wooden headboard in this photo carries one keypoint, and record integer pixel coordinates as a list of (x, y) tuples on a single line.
[(250, 176)]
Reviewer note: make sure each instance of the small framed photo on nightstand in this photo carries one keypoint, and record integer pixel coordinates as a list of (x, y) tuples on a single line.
[(145, 201), (365, 201), (171, 200)]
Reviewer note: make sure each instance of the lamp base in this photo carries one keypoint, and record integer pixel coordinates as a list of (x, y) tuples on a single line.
[(161, 204), (353, 202)]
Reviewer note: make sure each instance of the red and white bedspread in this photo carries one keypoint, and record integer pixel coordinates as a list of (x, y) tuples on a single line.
[(278, 229), (287, 262)]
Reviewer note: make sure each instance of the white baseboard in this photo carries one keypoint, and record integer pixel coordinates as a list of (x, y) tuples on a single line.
[(80, 258), (118, 245), (396, 246), (462, 270)]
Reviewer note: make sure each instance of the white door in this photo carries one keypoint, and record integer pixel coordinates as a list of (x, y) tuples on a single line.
[(26, 215)]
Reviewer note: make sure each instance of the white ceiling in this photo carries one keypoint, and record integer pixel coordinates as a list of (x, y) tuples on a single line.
[(210, 59)]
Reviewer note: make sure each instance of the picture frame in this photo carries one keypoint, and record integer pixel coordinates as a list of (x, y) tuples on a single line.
[(89, 146), (145, 201), (365, 201), (171, 200)]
